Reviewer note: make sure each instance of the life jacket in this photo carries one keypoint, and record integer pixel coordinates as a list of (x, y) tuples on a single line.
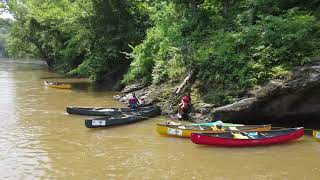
[(186, 102), (186, 99), (133, 100)]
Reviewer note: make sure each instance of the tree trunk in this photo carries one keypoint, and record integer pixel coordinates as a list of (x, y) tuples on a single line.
[(193, 8), (185, 86), (225, 7), (50, 62)]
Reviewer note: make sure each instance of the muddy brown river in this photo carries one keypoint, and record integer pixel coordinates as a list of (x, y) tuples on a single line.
[(38, 140)]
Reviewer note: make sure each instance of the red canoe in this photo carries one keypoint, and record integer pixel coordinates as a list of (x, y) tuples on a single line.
[(247, 138)]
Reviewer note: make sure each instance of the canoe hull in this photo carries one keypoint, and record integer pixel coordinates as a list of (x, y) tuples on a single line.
[(58, 86), (102, 122), (123, 118), (217, 141), (92, 111), (186, 133), (87, 111), (316, 135)]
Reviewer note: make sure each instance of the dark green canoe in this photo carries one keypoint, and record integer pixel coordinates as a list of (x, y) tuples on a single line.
[(100, 111), (94, 111), (123, 118)]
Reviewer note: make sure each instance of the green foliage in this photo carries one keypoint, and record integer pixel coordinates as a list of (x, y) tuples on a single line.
[(256, 42), (279, 72), (5, 26), (112, 28), (163, 54), (81, 38), (234, 45), (50, 30)]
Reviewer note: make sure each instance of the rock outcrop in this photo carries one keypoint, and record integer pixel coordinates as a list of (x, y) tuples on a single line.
[(133, 87), (295, 101)]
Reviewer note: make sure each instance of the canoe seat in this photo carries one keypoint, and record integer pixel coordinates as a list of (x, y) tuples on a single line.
[(182, 127)]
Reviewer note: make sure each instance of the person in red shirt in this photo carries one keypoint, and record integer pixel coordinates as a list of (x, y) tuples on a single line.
[(184, 106), (133, 101)]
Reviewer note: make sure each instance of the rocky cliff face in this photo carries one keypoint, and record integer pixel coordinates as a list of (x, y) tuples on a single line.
[(294, 102)]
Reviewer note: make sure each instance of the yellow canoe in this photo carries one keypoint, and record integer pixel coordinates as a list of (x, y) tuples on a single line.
[(187, 130), (58, 85), (316, 134)]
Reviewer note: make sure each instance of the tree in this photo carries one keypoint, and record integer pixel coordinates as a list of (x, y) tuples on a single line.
[(5, 25)]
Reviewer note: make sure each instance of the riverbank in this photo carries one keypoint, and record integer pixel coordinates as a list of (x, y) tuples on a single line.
[(292, 101)]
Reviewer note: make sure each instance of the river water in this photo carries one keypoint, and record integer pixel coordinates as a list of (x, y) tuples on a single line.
[(38, 140)]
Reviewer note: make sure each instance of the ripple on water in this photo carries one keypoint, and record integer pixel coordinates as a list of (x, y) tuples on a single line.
[(21, 151)]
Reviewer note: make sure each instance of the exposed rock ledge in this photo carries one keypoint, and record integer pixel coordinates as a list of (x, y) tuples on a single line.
[(134, 87), (293, 100)]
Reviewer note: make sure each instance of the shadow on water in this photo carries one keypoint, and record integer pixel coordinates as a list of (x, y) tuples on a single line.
[(98, 129), (80, 84), (90, 86), (57, 77), (303, 120)]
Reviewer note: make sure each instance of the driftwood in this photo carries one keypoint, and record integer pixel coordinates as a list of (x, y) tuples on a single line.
[(186, 84)]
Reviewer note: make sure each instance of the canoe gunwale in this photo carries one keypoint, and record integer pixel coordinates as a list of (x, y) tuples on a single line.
[(58, 85), (97, 111), (169, 130)]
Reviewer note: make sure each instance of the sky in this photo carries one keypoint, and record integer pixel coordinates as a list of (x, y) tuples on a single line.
[(6, 15)]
